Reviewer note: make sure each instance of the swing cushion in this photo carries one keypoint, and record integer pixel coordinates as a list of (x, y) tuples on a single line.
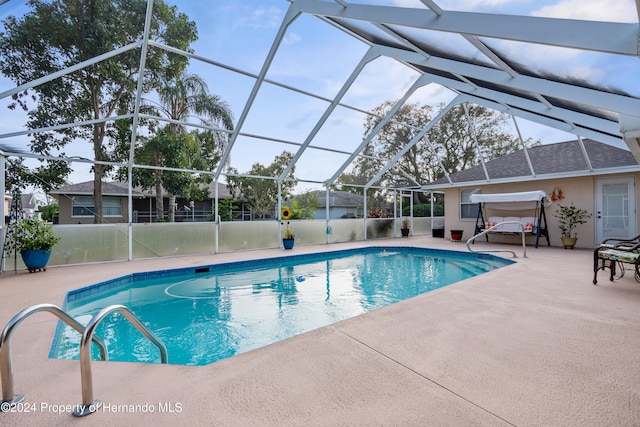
[(528, 222)]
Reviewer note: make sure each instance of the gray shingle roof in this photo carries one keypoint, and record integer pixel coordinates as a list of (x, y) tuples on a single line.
[(117, 188), (108, 189), (343, 199), (548, 159)]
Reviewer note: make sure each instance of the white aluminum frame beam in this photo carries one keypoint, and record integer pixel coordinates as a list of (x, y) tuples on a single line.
[(420, 81), (415, 140), (71, 69), (630, 130), (369, 56), (536, 112), (608, 37), (549, 121), (531, 85), (525, 150), (136, 121), (290, 16), (472, 129)]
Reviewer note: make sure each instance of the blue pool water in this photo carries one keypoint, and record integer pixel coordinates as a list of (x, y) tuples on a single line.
[(209, 313)]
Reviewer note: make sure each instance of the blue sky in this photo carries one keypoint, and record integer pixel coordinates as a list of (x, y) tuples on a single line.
[(318, 58)]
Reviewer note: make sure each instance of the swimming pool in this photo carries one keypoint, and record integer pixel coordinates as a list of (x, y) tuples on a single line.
[(208, 313)]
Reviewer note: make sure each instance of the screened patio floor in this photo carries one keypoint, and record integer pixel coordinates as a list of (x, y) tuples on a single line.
[(534, 343)]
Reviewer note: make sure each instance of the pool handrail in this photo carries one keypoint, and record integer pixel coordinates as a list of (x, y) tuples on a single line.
[(6, 369), (492, 228), (88, 405)]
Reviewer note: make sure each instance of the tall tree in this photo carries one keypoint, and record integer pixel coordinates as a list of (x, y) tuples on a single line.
[(351, 182), (45, 177), (58, 34), (189, 150), (261, 195), (450, 142), (181, 97)]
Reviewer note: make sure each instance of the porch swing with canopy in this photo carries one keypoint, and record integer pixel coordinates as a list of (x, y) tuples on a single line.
[(535, 225)]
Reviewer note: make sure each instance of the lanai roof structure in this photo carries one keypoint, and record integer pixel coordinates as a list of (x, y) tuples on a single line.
[(455, 52)]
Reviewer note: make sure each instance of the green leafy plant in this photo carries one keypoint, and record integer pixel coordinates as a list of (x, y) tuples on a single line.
[(47, 212), (34, 234), (569, 217), (225, 210), (298, 212)]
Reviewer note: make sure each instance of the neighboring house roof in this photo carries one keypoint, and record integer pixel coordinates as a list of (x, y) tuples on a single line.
[(117, 188), (223, 191), (562, 157), (28, 201), (108, 189), (341, 199)]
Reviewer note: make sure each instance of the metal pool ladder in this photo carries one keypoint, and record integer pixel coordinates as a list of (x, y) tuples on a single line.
[(6, 370), (88, 405), (490, 229)]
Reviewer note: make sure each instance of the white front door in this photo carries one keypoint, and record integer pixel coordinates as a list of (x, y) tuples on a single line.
[(615, 208)]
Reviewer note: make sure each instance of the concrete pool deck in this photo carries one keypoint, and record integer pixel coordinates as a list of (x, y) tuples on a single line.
[(531, 344)]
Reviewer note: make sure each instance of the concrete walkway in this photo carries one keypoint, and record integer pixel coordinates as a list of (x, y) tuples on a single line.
[(531, 344)]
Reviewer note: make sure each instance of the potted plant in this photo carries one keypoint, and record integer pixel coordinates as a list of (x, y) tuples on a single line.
[(456, 235), (568, 218), (288, 238), (406, 227), (34, 239)]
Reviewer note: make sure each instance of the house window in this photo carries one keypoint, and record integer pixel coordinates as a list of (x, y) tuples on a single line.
[(468, 210), (351, 213), (84, 206)]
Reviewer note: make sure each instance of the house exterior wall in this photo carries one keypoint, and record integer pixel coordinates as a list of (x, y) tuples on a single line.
[(142, 207), (7, 204), (65, 213), (335, 212), (580, 191)]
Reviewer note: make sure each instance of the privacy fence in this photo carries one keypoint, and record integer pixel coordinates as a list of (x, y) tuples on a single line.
[(82, 244)]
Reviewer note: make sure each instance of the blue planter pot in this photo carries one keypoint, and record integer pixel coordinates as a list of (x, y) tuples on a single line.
[(35, 260), (288, 243)]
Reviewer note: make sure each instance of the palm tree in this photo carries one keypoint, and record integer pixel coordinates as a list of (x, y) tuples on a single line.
[(181, 98)]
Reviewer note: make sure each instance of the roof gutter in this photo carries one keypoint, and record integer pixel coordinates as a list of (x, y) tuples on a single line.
[(542, 177)]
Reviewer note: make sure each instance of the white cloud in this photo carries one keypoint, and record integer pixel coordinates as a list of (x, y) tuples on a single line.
[(594, 10), (382, 80), (476, 5), (291, 37), (262, 17)]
